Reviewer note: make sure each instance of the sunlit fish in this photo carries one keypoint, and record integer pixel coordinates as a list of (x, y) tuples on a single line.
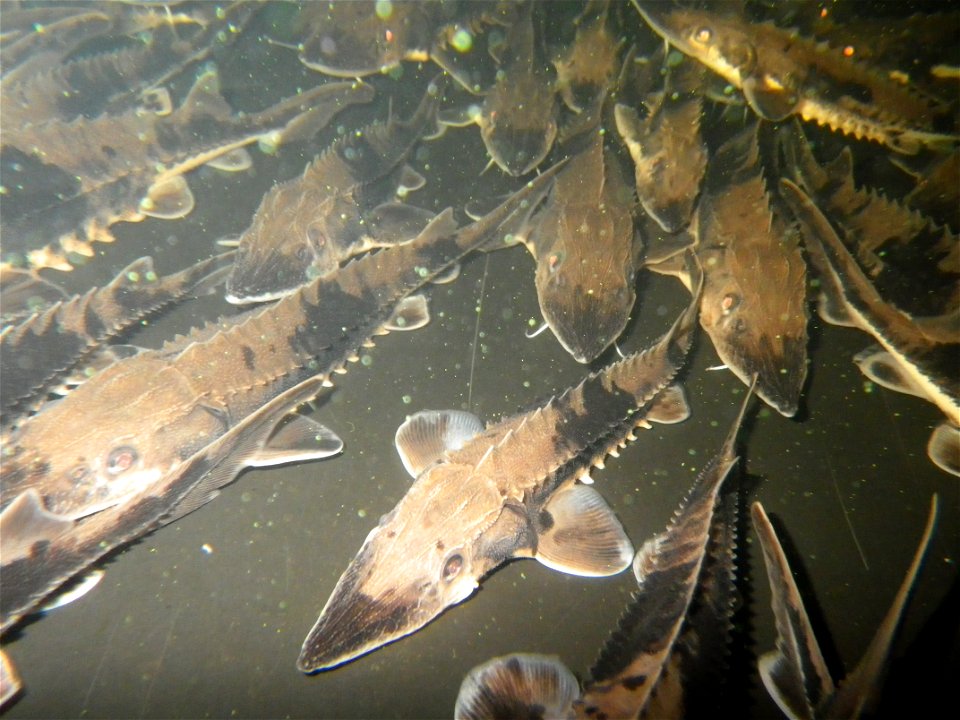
[(583, 242), (307, 226), (155, 436), (518, 116), (795, 673), (781, 73), (754, 295), (483, 495), (125, 167), (53, 340), (920, 354), (685, 571)]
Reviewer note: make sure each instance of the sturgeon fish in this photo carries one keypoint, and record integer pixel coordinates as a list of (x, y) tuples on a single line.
[(158, 434), (53, 340), (308, 226), (919, 354), (685, 579), (518, 116), (754, 295), (485, 495), (795, 673), (783, 74), (583, 242), (125, 167)]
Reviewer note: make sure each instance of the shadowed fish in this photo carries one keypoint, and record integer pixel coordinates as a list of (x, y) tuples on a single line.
[(125, 167), (795, 673), (355, 38), (306, 227), (783, 74), (485, 495), (676, 623), (587, 69), (583, 242), (754, 295), (51, 341), (920, 354), (518, 116), (157, 435), (667, 147)]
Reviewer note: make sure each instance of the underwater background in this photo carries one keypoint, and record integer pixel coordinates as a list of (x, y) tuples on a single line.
[(206, 617)]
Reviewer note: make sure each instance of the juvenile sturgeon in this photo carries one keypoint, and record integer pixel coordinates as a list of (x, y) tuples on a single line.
[(157, 435), (920, 354), (795, 673), (485, 495), (125, 167), (52, 341), (661, 639), (781, 73), (308, 226), (754, 295), (583, 242)]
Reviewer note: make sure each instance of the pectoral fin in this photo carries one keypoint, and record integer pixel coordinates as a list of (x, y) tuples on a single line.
[(517, 686), (425, 437), (460, 117), (237, 160), (944, 448), (168, 199), (670, 406), (394, 223), (297, 439), (881, 367), (25, 522), (770, 103), (9, 680), (579, 534), (411, 313)]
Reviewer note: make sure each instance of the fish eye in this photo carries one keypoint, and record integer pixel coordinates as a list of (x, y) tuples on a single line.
[(79, 473), (316, 238), (452, 567), (729, 303), (703, 35), (120, 459), (554, 261)]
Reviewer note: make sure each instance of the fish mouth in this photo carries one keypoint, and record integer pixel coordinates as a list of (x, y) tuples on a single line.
[(586, 327), (354, 624), (780, 367)]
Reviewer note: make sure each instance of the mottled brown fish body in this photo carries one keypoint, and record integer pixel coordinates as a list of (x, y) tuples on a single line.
[(306, 227), (783, 74), (499, 496), (754, 297), (583, 245), (125, 167)]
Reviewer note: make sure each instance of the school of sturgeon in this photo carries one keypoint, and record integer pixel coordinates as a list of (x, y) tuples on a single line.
[(731, 144)]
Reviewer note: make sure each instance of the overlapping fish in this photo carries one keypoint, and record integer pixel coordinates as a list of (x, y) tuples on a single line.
[(114, 168), (158, 434), (308, 226), (662, 639), (781, 74), (483, 495)]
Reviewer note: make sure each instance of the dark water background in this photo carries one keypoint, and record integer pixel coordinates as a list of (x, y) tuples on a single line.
[(175, 631)]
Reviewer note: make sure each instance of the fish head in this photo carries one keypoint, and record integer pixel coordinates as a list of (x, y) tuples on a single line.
[(585, 278), (758, 326), (518, 123), (714, 39), (426, 555), (99, 446), (289, 243)]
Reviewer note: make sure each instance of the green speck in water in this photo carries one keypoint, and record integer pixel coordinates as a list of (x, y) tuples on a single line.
[(383, 9), (407, 399), (366, 360), (462, 41)]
